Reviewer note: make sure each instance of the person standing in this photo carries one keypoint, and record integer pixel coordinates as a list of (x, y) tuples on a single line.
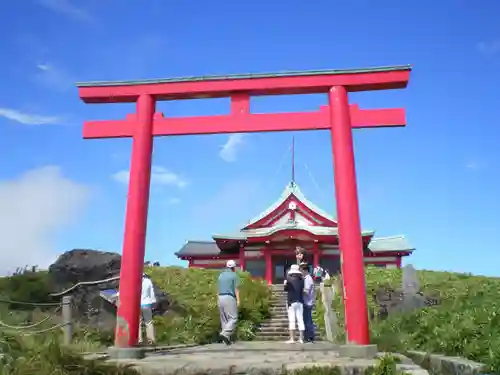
[(148, 299), (309, 298), (294, 286), (318, 274), (299, 254), (229, 300)]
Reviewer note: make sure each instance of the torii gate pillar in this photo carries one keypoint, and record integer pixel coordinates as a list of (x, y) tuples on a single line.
[(339, 117), (136, 218), (346, 194)]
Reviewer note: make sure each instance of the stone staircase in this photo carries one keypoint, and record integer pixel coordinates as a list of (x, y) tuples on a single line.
[(276, 328)]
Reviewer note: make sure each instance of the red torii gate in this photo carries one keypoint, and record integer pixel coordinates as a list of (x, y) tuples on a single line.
[(338, 116)]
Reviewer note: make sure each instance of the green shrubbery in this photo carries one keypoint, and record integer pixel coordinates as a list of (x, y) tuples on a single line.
[(466, 323), (26, 285), (43, 355), (195, 316)]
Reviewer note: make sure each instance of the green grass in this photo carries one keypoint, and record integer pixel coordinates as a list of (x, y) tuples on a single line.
[(466, 323), (195, 317), (43, 355)]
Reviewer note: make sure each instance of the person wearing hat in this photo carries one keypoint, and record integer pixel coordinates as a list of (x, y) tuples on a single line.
[(294, 286), (229, 300)]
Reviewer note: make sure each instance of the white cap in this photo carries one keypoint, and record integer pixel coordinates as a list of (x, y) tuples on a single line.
[(294, 268), (231, 264)]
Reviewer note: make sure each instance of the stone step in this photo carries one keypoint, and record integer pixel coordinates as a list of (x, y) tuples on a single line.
[(278, 326), (273, 333), (278, 312), (273, 326), (283, 339), (278, 319), (281, 329), (278, 336)]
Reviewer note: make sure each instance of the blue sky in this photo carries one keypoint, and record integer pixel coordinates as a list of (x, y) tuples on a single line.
[(433, 181)]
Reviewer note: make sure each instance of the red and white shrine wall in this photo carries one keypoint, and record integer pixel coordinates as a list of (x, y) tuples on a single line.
[(260, 257)]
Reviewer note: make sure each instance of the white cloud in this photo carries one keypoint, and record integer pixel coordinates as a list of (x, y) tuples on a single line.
[(160, 176), (54, 77), (173, 201), (230, 148), (44, 67), (489, 47), (29, 119), (474, 165), (34, 207), (67, 8)]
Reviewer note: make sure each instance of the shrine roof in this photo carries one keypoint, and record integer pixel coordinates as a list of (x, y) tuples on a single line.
[(393, 243), (268, 231), (292, 189), (246, 76), (198, 248)]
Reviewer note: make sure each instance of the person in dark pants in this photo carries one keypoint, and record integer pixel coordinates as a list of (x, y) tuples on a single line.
[(309, 298)]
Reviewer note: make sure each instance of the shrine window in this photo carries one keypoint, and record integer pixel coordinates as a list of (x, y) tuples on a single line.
[(256, 267)]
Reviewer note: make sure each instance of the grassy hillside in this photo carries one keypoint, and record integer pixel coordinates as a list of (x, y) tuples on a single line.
[(195, 318), (466, 323)]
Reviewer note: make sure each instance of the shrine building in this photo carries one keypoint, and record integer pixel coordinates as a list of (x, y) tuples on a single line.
[(266, 246)]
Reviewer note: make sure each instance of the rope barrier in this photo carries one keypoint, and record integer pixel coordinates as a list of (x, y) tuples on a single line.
[(53, 328), (21, 329), (40, 304), (86, 283), (3, 324)]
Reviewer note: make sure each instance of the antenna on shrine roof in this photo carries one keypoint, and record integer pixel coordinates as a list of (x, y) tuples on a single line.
[(293, 160)]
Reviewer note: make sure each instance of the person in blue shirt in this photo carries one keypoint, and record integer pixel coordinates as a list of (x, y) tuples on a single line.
[(229, 300)]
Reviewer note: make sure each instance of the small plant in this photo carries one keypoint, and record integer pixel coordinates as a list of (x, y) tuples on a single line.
[(386, 365)]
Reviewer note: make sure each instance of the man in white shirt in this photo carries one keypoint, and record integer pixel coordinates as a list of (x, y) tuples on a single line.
[(309, 298), (148, 299)]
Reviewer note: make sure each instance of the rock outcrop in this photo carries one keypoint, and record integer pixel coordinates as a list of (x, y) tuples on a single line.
[(80, 265), (390, 301), (85, 265)]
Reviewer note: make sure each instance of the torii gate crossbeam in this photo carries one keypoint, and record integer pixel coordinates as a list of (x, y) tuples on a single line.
[(338, 116)]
